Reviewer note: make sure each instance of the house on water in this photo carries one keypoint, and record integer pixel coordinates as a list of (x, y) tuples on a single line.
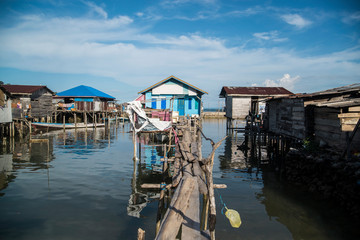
[(329, 117), (31, 101), (5, 106), (174, 94), (242, 101), (84, 98)]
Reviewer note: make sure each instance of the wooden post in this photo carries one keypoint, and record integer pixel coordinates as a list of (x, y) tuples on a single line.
[(134, 143), (85, 120), (64, 122), (10, 130), (204, 212), (75, 120), (141, 234), (30, 129), (95, 121)]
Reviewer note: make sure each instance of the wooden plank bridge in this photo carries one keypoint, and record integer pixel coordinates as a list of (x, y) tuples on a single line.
[(192, 182)]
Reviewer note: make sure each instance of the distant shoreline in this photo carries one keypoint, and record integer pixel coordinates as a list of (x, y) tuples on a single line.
[(213, 114)]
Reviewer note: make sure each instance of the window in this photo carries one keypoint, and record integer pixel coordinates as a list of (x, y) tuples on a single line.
[(190, 103), (163, 103), (153, 104)]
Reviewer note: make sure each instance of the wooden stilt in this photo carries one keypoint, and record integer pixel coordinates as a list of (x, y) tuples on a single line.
[(64, 122)]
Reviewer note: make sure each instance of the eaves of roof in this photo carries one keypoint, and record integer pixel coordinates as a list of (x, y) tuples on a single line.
[(167, 79)]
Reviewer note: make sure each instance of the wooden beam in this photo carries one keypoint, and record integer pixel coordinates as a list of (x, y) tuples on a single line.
[(141, 234), (346, 115), (158, 185), (191, 222), (179, 204), (354, 109)]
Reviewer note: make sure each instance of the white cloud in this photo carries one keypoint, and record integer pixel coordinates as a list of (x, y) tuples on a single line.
[(352, 18), (286, 81), (97, 9), (273, 36), (114, 48), (296, 20)]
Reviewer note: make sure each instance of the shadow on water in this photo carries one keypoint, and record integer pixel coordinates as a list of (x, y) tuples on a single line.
[(270, 207)]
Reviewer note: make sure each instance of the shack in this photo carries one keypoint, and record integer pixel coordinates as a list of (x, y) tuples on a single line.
[(31, 101), (84, 98), (242, 101), (330, 117), (174, 94), (5, 106)]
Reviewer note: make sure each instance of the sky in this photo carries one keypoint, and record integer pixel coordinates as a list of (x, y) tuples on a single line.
[(122, 47)]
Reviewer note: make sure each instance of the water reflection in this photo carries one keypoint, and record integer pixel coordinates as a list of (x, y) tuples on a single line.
[(86, 186), (25, 157), (148, 169), (287, 212)]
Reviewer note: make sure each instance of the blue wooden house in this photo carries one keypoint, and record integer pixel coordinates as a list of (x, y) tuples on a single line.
[(84, 98), (174, 94)]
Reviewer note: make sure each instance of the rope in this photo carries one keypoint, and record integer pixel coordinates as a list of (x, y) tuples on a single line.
[(222, 202)]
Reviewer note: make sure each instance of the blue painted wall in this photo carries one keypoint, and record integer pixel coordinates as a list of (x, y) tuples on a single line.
[(190, 108)]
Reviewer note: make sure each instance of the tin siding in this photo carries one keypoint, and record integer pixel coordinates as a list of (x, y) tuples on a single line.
[(240, 107), (5, 113)]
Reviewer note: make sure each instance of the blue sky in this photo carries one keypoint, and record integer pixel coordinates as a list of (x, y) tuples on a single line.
[(122, 47)]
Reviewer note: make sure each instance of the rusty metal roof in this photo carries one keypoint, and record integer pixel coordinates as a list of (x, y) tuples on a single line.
[(254, 91), (18, 89)]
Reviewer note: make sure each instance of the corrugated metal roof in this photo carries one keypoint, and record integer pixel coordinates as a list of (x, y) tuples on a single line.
[(5, 91), (352, 88), (336, 91), (167, 79), (254, 91), (23, 88), (84, 91)]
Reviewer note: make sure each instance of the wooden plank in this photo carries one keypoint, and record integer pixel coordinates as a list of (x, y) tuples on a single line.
[(185, 150), (329, 129), (349, 121), (349, 115), (141, 234), (191, 223), (177, 172), (199, 173), (347, 128), (354, 109), (158, 185), (195, 149), (327, 122), (174, 215)]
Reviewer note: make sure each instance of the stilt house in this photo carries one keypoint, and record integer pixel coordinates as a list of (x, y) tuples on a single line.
[(32, 101), (242, 101), (5, 106), (328, 117), (174, 94), (84, 98)]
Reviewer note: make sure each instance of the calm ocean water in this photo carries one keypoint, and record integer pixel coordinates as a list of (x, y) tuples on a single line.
[(85, 185)]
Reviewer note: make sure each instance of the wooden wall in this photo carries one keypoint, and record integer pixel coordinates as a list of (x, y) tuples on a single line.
[(237, 107), (290, 117), (286, 117), (327, 126), (42, 105)]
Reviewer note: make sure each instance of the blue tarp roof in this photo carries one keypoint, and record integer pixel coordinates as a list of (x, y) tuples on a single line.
[(84, 91)]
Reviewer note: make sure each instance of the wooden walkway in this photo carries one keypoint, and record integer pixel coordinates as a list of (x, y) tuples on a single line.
[(193, 183)]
